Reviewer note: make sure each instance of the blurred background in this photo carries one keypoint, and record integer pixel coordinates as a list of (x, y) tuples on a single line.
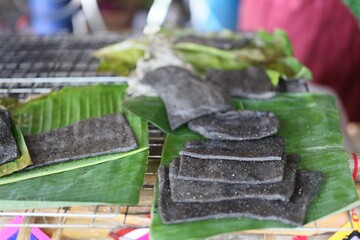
[(86, 16), (325, 33)]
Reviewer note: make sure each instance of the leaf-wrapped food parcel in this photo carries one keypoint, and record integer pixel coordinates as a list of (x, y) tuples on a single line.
[(79, 182), (271, 51), (87, 138)]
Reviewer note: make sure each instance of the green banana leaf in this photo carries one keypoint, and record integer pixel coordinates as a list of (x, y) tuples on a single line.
[(112, 178), (115, 182), (153, 110), (272, 51), (23, 161), (64, 107), (121, 58), (309, 124)]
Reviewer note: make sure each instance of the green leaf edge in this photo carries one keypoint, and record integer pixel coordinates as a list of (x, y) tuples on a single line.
[(71, 165), (26, 204), (23, 161)]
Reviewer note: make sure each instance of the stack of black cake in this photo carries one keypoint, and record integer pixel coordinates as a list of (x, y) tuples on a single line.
[(241, 170), (250, 178)]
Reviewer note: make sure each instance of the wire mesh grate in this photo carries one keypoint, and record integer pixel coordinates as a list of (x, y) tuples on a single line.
[(43, 57)]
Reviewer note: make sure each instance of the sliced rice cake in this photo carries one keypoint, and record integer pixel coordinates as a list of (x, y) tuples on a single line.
[(216, 42), (292, 85), (266, 149), (211, 191), (185, 95), (236, 125), (289, 212), (219, 170), (252, 82), (85, 138)]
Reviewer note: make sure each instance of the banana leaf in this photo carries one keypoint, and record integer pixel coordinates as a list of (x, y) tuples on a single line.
[(121, 58), (115, 182), (23, 161), (112, 178), (309, 124), (273, 51), (152, 109)]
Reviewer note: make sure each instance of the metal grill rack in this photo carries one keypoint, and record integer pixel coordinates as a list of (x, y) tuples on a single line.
[(36, 65), (21, 88), (61, 56)]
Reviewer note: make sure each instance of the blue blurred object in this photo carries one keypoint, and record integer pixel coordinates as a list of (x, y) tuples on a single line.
[(214, 15), (51, 16)]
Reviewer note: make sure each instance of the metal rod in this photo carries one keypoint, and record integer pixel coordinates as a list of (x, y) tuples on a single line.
[(74, 80)]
